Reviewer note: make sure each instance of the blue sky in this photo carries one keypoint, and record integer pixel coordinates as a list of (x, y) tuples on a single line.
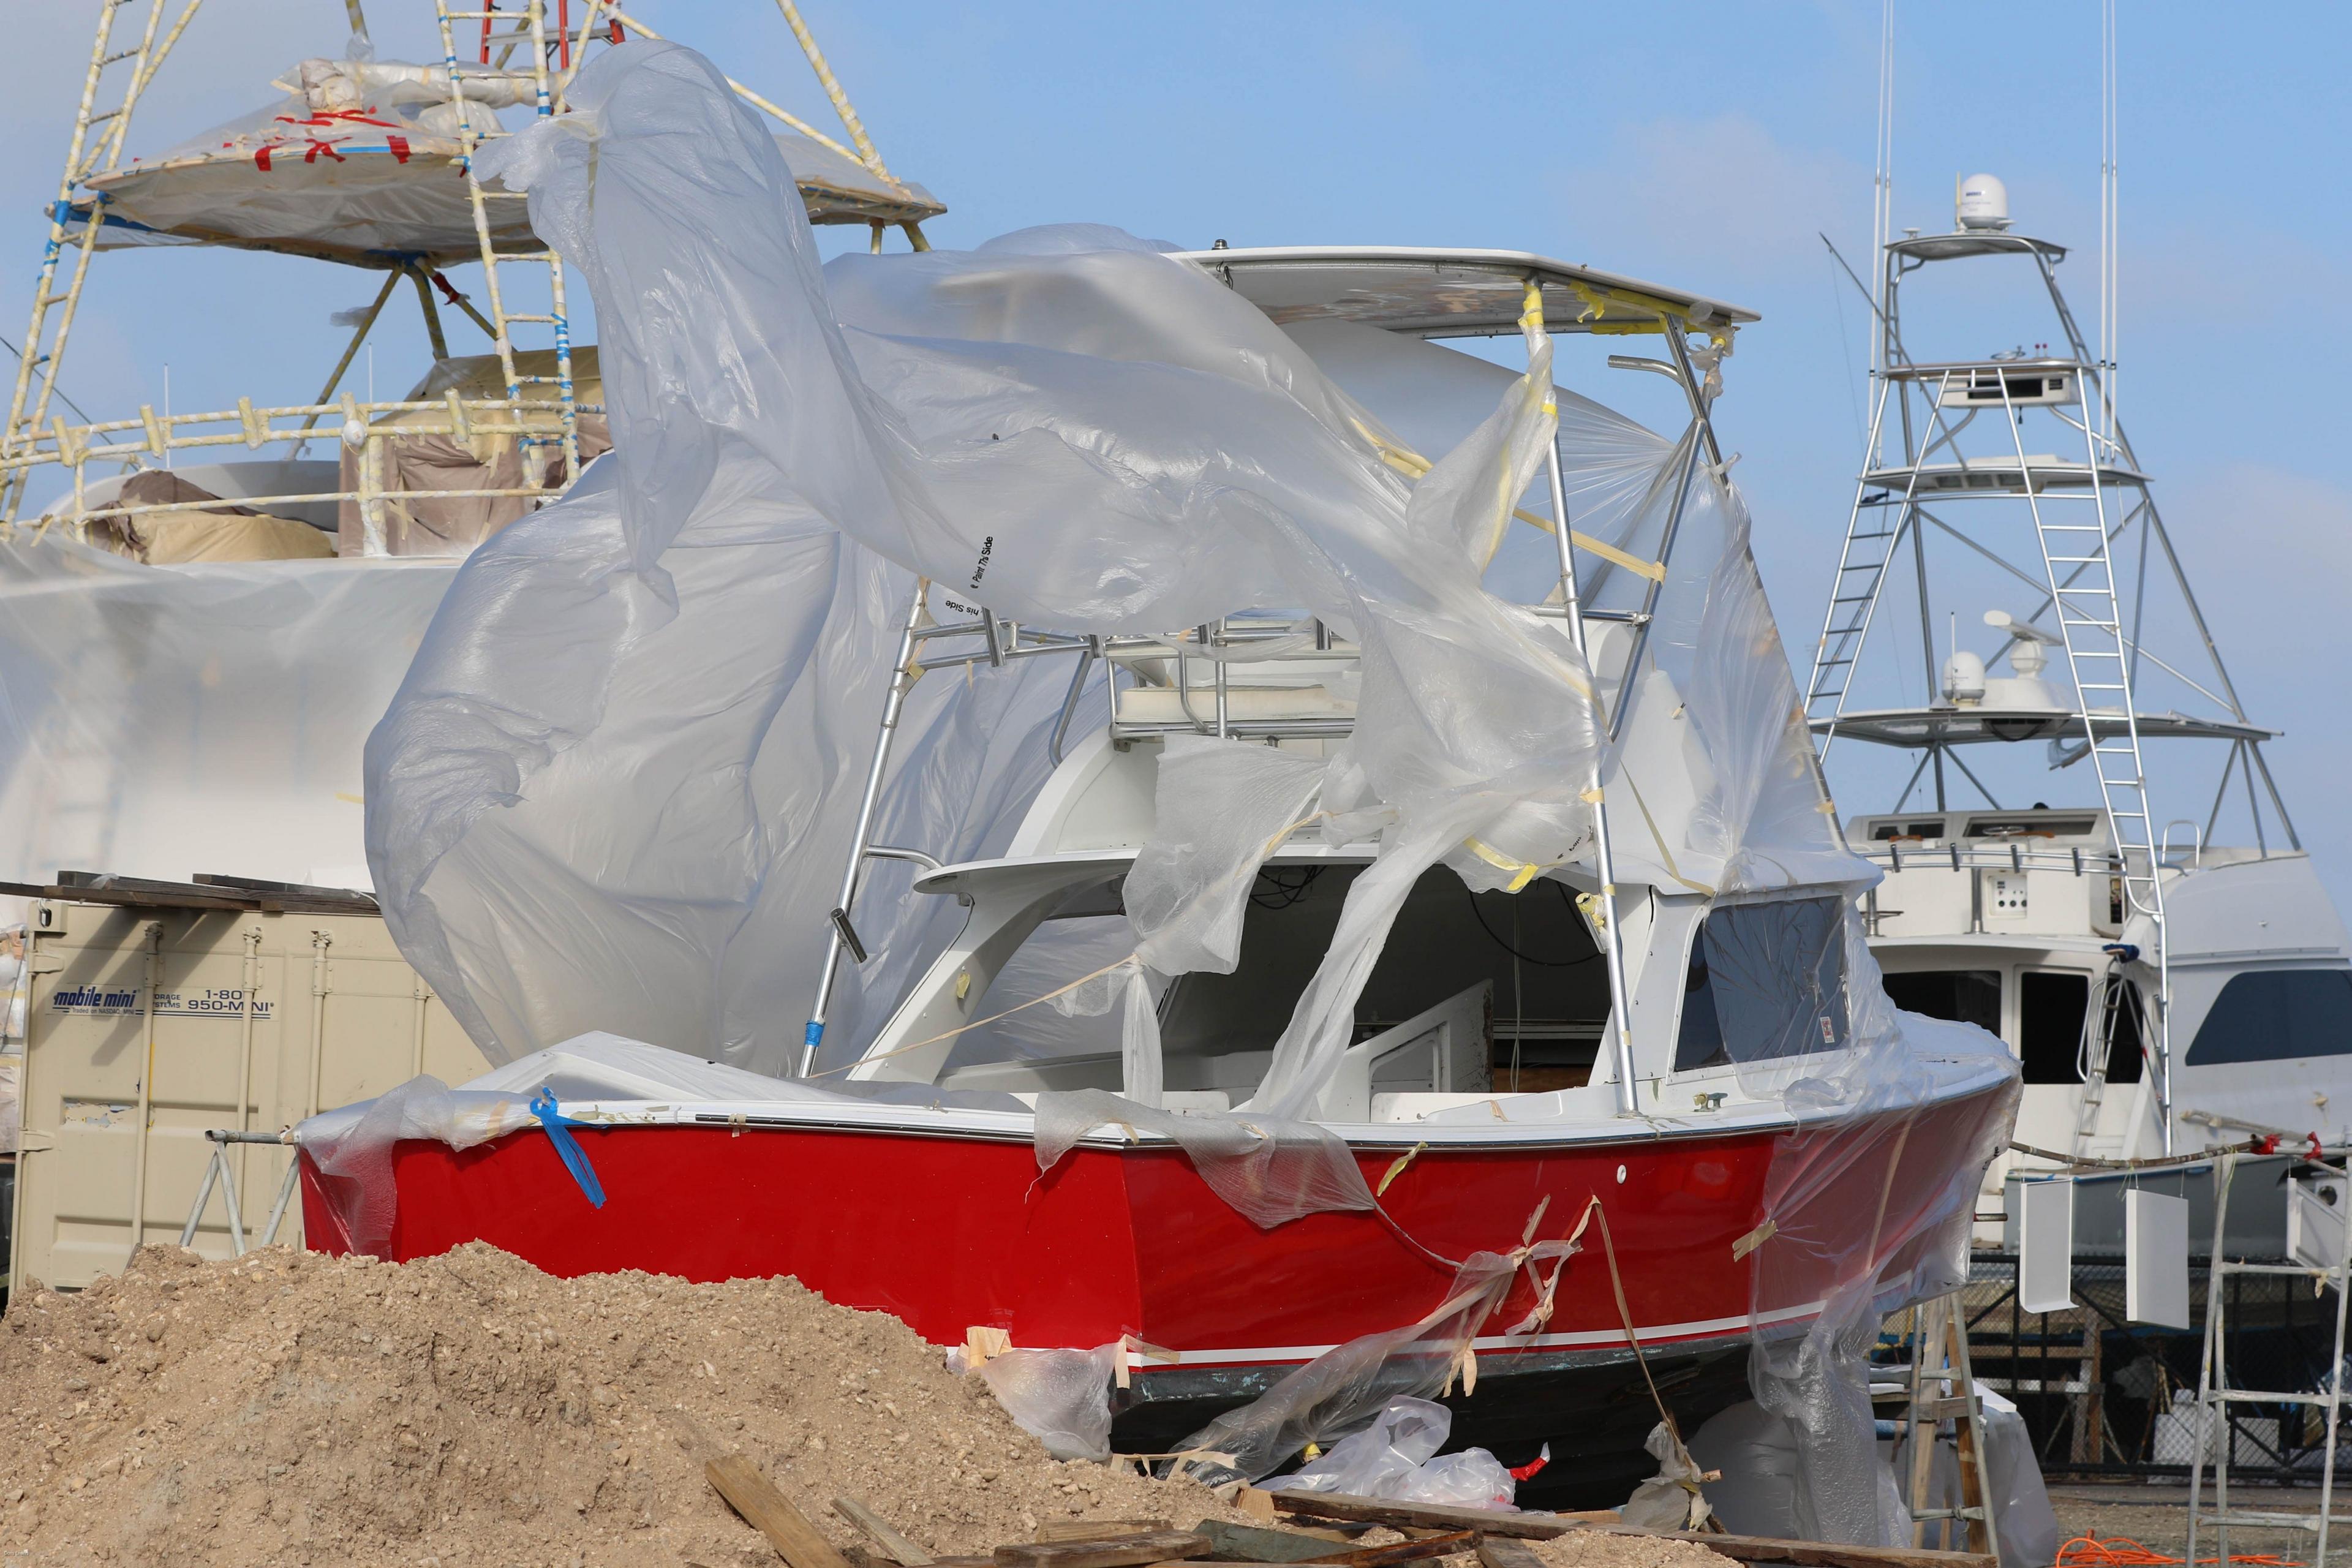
[(1700, 145)]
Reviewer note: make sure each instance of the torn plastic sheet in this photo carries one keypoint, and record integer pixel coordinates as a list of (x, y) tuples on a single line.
[(1270, 1170), (1342, 1391), (1110, 439), (1060, 1397), (1396, 1458)]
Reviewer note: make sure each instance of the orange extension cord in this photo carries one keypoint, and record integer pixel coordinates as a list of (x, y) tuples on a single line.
[(2122, 1552)]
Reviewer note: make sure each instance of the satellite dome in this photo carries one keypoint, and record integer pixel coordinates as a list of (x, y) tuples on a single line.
[(1983, 203)]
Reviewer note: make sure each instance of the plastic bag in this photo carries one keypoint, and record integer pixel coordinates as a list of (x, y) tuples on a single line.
[(1396, 1458), (1671, 1500), (1062, 1398)]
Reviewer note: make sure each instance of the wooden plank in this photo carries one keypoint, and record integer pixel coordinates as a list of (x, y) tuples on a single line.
[(1815, 1553), (1125, 1552), (1099, 1529), (1442, 1545), (767, 1511), (1497, 1551), (1547, 1527), (1248, 1544), (1398, 1515), (903, 1551)]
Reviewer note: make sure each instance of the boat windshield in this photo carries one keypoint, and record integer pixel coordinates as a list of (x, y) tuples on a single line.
[(1766, 981)]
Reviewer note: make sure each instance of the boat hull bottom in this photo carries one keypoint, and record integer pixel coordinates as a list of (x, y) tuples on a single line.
[(1592, 1407)]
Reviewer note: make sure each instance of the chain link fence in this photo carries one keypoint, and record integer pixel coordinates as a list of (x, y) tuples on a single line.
[(2103, 1396)]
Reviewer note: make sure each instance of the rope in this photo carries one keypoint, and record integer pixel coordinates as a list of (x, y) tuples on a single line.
[(1625, 1316), (2123, 1551)]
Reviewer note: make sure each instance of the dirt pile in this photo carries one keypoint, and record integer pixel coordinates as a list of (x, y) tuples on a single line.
[(295, 1408)]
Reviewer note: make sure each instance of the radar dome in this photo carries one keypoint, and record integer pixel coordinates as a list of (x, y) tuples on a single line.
[(1983, 203)]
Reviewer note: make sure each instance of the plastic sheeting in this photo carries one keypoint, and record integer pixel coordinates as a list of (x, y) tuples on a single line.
[(1762, 1492), (1396, 1458), (163, 721), (613, 789), (352, 1145), (1108, 439)]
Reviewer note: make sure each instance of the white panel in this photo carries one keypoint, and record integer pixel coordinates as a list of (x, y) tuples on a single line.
[(2045, 1246), (2156, 1259)]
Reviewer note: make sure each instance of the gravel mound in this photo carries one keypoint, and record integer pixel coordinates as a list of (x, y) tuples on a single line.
[(292, 1407)]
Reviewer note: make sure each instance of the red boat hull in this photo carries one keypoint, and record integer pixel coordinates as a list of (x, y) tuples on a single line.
[(948, 1231)]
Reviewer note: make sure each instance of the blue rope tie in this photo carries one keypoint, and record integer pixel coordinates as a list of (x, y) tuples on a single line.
[(576, 1159)]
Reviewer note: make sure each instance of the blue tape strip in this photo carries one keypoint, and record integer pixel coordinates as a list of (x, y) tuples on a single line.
[(576, 1159), (814, 1034)]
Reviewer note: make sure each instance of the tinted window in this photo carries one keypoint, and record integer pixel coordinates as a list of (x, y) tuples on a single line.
[(1765, 980), (2124, 1057), (1962, 995), (2276, 1015), (2050, 1009)]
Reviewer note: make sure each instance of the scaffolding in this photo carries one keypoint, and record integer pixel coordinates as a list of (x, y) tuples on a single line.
[(57, 473)]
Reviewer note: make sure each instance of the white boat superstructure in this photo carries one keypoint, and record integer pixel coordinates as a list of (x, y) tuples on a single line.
[(2007, 595)]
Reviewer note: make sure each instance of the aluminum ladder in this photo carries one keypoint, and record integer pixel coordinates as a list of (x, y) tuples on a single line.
[(2214, 1394), (528, 32), (54, 308), (1863, 562), (2098, 659), (1943, 1387)]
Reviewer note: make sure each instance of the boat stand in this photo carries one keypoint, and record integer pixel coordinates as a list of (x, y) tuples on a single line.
[(1939, 1362), (218, 1173)]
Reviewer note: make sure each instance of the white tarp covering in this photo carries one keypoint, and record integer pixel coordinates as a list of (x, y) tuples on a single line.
[(617, 788), (165, 720), (657, 696)]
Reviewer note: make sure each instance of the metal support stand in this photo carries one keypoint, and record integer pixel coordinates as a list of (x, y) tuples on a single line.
[(2215, 1396), (219, 1173), (1939, 1361)]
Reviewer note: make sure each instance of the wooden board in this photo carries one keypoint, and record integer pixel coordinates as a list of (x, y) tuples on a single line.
[(903, 1551), (1248, 1544), (1499, 1552), (1443, 1543), (767, 1511), (1817, 1553), (1124, 1551), (1099, 1529), (1547, 1527), (1401, 1515)]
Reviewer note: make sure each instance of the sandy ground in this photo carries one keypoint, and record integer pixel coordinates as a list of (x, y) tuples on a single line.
[(293, 1408), (2157, 1517)]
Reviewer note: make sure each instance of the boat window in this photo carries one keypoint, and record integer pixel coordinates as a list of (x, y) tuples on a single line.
[(2276, 1015), (2030, 826), (1961, 996), (2124, 1059), (1766, 981), (2050, 1009), (1546, 988), (1888, 830)]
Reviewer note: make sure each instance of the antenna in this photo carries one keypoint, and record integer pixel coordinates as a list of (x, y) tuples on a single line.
[(1882, 212), (2109, 233)]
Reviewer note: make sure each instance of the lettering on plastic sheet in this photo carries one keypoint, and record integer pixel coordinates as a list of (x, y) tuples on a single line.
[(979, 567)]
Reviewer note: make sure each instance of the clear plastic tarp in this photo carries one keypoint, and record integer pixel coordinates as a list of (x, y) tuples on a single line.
[(162, 721), (624, 769)]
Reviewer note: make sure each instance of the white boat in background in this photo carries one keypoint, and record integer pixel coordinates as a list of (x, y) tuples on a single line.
[(2158, 950)]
